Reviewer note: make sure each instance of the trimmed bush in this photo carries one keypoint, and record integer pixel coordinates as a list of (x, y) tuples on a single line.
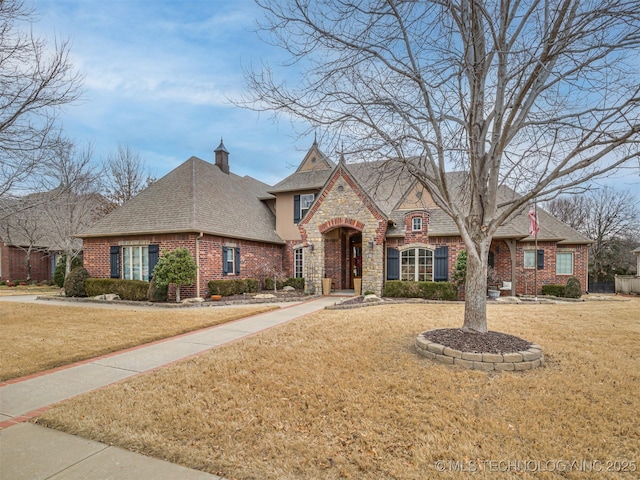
[(75, 283), (137, 290), (156, 293), (553, 290), (426, 290), (227, 288), (573, 289)]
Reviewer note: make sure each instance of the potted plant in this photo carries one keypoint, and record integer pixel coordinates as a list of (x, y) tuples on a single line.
[(493, 288)]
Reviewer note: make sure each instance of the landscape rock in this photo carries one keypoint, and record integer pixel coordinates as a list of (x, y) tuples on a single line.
[(372, 298), (107, 296), (288, 288), (193, 300), (265, 295)]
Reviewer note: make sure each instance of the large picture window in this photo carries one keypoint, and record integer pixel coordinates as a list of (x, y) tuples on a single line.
[(564, 263), (417, 265), (135, 263)]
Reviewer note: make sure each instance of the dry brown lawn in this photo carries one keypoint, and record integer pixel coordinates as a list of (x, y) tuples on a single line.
[(28, 290), (38, 337), (343, 394)]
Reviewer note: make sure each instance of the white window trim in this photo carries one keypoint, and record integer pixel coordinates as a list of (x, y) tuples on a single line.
[(417, 220), (416, 272), (573, 257), (305, 204), (135, 252), (295, 262), (232, 270)]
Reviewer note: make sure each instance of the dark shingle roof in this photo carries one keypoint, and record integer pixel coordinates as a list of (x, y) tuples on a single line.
[(195, 197)]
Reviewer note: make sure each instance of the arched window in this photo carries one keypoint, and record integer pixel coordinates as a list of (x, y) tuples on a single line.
[(417, 265)]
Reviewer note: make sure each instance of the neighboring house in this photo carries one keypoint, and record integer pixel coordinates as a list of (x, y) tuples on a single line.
[(340, 221), (636, 252)]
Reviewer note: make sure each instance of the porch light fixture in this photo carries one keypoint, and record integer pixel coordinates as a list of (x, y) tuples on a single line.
[(311, 247), (371, 244)]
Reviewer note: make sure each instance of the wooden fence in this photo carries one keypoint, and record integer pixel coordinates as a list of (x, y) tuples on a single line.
[(627, 284)]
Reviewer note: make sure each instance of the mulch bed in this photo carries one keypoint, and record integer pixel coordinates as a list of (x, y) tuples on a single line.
[(490, 342)]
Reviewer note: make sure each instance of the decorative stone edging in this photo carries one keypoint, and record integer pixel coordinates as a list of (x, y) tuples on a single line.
[(515, 361)]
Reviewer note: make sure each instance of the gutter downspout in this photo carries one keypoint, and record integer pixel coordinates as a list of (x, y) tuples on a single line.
[(198, 238)]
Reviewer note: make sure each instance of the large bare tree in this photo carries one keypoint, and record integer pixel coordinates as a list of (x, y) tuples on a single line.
[(537, 95), (36, 80)]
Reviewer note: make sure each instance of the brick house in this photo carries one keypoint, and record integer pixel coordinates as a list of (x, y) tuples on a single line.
[(353, 223)]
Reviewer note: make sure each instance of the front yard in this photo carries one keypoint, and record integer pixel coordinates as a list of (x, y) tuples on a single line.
[(38, 337), (343, 394)]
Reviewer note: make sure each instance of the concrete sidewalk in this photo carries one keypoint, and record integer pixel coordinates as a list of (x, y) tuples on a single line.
[(30, 451)]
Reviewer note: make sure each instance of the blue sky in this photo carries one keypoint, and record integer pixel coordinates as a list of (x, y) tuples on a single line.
[(159, 75)]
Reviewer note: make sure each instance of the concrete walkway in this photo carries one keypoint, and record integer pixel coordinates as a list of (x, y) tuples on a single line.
[(29, 451)]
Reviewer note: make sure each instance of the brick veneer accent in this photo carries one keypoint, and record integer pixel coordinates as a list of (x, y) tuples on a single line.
[(255, 257), (515, 361)]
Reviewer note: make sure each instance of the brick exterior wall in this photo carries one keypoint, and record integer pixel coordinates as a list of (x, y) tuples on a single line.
[(13, 265), (256, 258)]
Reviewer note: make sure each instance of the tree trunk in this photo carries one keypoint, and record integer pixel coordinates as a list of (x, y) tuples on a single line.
[(178, 293), (27, 259), (475, 291)]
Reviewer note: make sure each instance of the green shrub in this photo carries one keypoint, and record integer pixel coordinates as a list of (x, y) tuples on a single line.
[(268, 284), (369, 292), (573, 289), (137, 290), (58, 273), (156, 293), (426, 290), (553, 290), (297, 283), (252, 285), (460, 271), (75, 283), (438, 290)]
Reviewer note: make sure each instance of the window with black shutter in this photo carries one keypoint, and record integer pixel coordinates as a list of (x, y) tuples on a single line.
[(393, 264), (154, 253), (114, 259), (441, 264)]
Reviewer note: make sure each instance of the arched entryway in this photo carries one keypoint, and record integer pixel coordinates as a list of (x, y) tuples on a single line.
[(343, 260)]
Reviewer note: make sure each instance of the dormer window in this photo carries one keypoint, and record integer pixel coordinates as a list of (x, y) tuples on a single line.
[(416, 224), (301, 205)]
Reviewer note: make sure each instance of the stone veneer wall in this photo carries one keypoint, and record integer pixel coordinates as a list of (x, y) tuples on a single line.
[(342, 204)]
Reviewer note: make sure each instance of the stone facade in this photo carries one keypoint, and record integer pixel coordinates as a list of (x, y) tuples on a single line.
[(343, 205)]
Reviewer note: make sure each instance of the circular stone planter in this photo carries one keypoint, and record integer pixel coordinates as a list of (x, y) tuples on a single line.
[(515, 361)]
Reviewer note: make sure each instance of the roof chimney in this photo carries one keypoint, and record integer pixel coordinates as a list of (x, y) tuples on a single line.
[(222, 157)]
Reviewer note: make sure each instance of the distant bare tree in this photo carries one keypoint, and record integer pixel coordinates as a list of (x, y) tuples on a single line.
[(609, 217), (25, 231), (537, 95), (36, 79), (76, 203), (126, 175)]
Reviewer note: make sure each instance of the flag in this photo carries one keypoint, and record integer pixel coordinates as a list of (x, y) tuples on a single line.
[(534, 225)]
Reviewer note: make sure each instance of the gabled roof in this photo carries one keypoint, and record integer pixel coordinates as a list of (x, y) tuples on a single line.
[(195, 197), (311, 174), (388, 183)]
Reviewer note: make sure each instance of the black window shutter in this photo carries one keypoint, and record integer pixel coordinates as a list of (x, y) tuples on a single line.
[(441, 264), (114, 259), (224, 261), (540, 259), (491, 260), (393, 264), (154, 252), (237, 253), (296, 208)]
